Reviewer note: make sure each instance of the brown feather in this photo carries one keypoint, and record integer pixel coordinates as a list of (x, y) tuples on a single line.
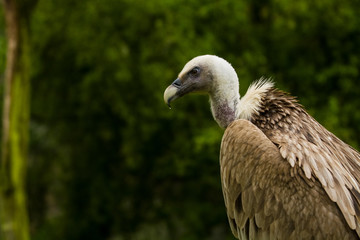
[(269, 199), (304, 142)]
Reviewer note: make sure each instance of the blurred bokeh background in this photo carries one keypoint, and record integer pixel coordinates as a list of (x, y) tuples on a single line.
[(109, 160)]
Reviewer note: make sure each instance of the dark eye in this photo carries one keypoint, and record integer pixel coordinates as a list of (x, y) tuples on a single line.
[(195, 71)]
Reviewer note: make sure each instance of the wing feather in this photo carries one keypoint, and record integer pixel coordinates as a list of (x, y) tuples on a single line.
[(266, 198), (325, 157), (305, 143)]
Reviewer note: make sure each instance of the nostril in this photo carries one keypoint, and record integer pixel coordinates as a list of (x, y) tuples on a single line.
[(177, 82)]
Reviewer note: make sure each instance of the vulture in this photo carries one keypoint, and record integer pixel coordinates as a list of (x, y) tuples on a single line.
[(283, 175)]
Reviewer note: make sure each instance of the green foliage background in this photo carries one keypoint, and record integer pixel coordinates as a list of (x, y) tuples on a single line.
[(109, 160)]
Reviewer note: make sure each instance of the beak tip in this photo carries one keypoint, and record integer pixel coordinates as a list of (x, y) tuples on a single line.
[(168, 102), (170, 95)]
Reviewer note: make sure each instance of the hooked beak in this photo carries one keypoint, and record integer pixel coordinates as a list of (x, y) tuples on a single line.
[(171, 91)]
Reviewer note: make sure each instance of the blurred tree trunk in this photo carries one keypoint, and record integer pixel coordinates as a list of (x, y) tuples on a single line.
[(13, 211)]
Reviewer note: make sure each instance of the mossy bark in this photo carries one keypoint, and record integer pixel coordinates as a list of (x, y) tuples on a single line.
[(16, 111)]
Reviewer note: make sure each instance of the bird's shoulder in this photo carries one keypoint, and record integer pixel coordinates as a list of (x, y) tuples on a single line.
[(265, 196), (305, 143)]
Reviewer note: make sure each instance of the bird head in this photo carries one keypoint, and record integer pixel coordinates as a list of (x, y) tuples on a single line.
[(203, 74)]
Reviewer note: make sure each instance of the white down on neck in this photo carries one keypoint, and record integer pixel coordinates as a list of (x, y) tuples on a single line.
[(251, 101)]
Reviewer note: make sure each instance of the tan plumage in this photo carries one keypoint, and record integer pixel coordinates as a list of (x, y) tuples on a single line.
[(266, 198), (284, 176), (304, 142)]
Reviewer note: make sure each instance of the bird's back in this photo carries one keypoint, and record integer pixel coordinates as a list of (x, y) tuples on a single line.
[(303, 142), (267, 198)]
